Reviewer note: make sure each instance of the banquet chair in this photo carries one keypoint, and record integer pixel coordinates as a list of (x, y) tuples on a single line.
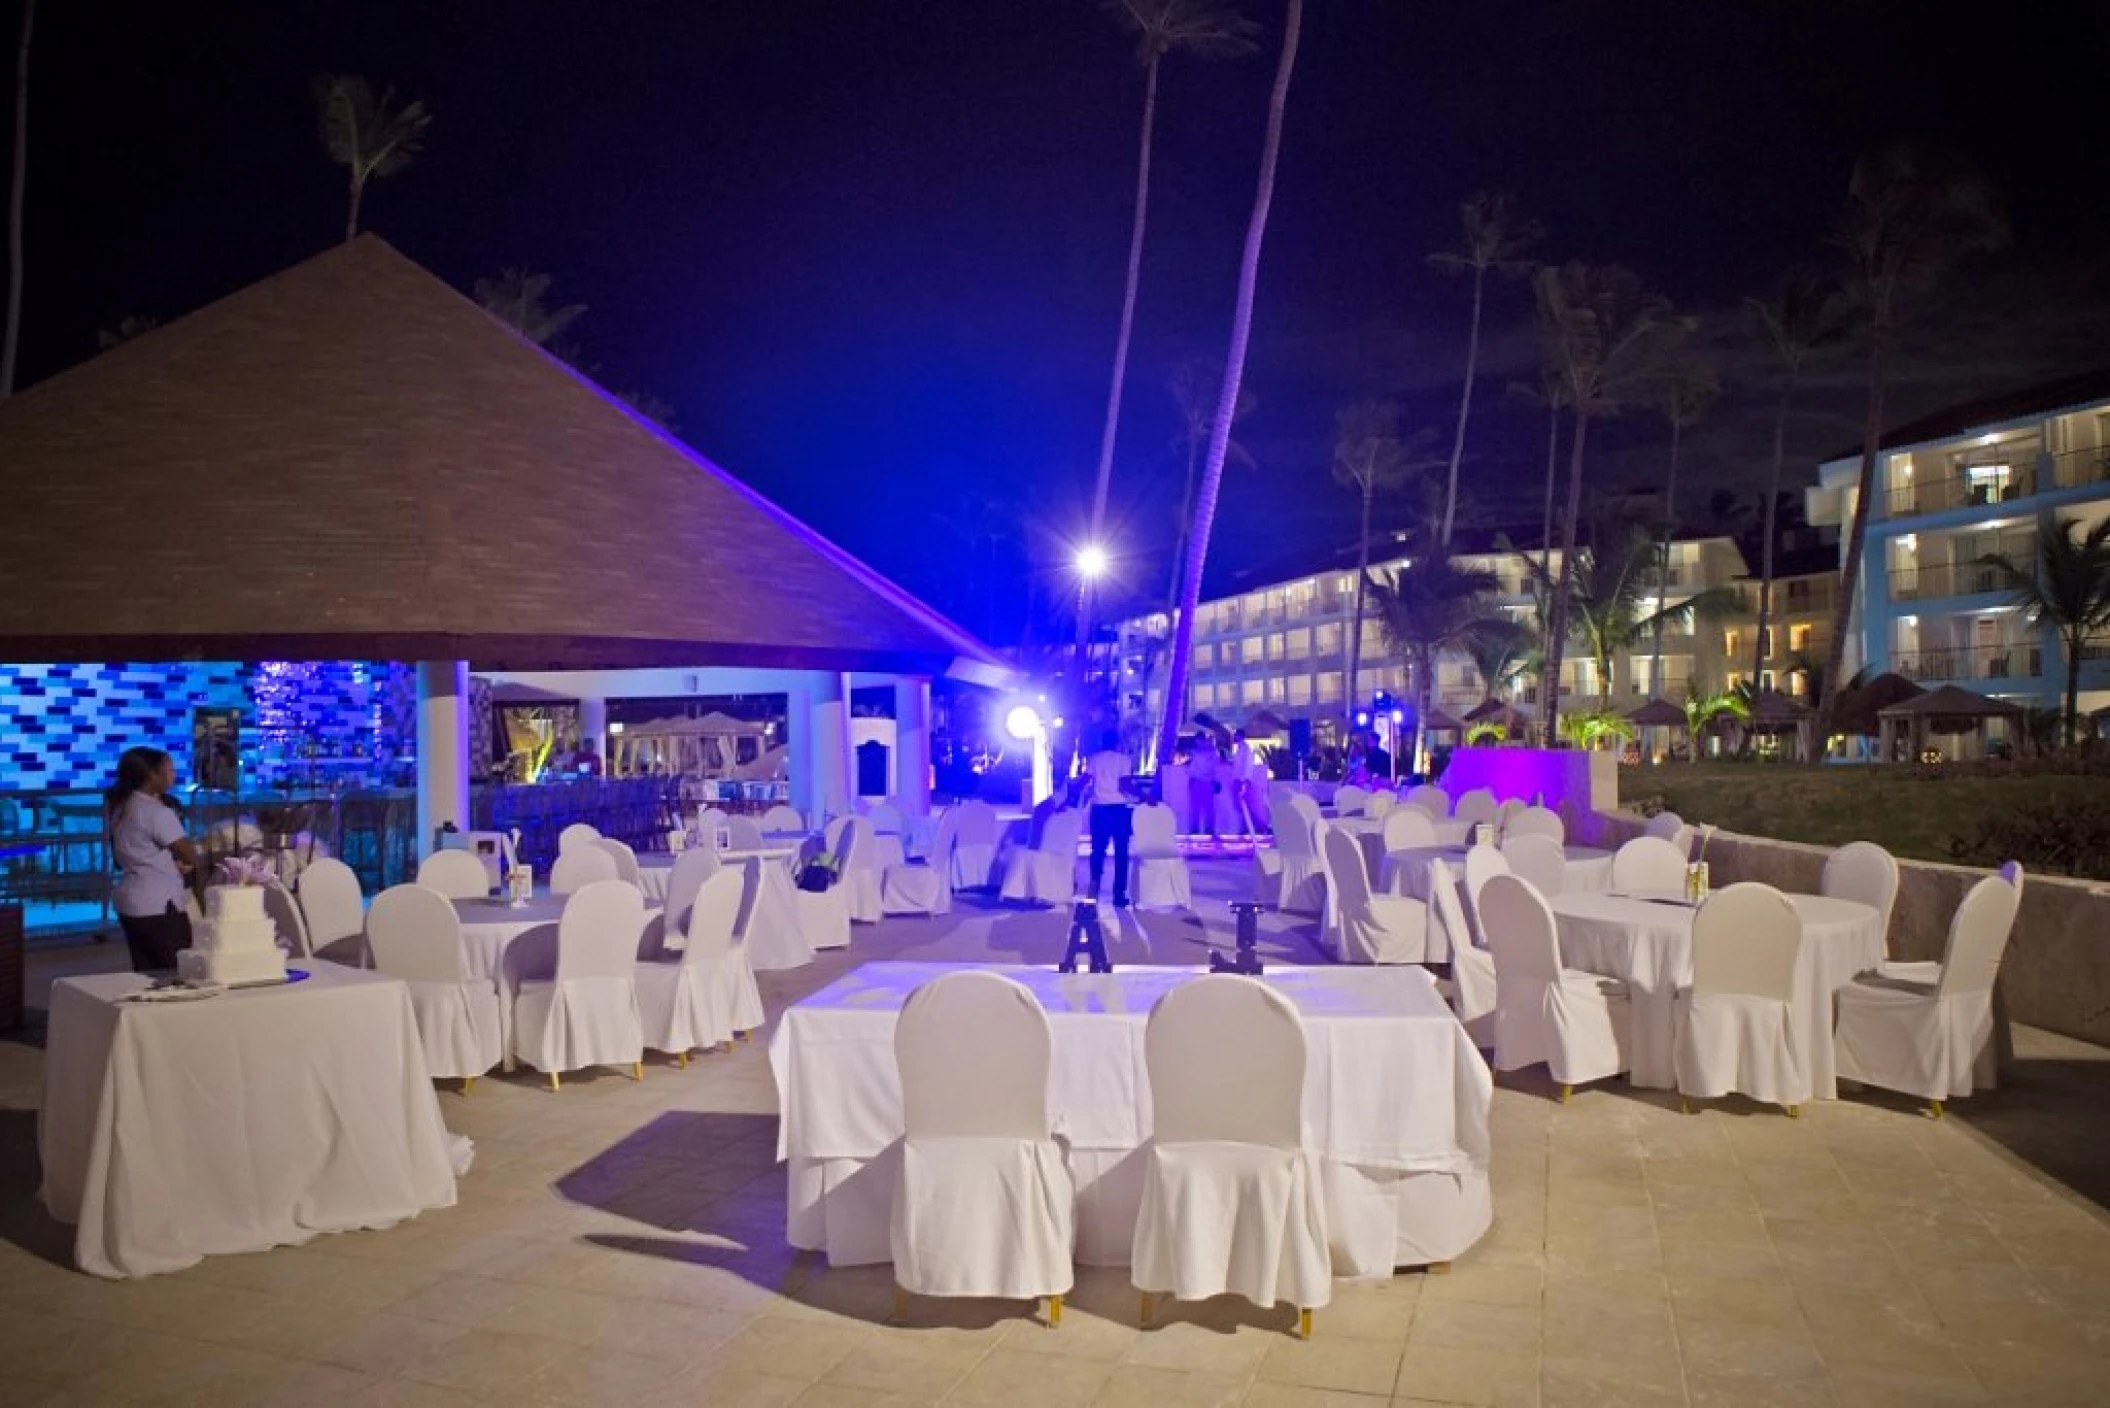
[(285, 915), (1577, 1023), (1301, 886), (781, 818), (1536, 821), (746, 833), (1539, 860), (1379, 803), (579, 867), (624, 857), (1669, 826), (1648, 865), (923, 885), (691, 869), (1482, 864), (1737, 1028), (1432, 799), (1864, 872), (1926, 1029), (1370, 927), (1232, 1200), (1472, 983), (587, 1014), (886, 819), (984, 1204), (1046, 874), (1348, 799), (458, 875), (1405, 829), (335, 916), (1477, 806), (576, 835), (415, 935), (850, 839), (1160, 879), (974, 846), (707, 995)]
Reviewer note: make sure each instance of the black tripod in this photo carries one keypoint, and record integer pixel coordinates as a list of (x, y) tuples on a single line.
[(1086, 938)]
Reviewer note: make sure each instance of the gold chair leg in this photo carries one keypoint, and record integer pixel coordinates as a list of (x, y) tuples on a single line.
[(1143, 1311), (1685, 1104), (1303, 1324), (1934, 1108), (637, 1070), (468, 1085), (900, 1305), (1438, 1268), (1054, 1312), (682, 1060), (742, 1036), (554, 1083), (1794, 1111), (1566, 1092)]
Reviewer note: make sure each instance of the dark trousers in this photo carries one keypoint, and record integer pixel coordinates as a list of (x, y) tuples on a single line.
[(1111, 823), (155, 939)]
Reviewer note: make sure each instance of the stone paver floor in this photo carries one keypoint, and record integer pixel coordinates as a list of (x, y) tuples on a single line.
[(622, 1243)]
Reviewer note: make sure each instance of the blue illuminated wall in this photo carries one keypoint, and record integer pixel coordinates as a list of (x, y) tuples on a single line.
[(62, 726)]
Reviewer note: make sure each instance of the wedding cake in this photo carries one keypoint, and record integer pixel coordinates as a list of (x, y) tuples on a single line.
[(239, 943)]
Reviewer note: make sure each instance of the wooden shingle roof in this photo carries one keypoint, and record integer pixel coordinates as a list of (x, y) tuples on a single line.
[(351, 460)]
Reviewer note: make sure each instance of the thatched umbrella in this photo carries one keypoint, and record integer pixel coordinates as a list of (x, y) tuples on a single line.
[(1439, 721), (1861, 713), (1950, 709), (1658, 713), (1774, 712), (1508, 717)]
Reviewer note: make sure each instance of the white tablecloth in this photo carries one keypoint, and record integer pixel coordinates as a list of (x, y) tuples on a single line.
[(1649, 944), (1396, 1103), (1369, 832), (653, 873), (1589, 868), (259, 1118)]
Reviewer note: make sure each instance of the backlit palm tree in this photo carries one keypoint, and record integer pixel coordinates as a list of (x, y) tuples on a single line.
[(1608, 590), (1496, 239), (1368, 456), (1434, 604), (2066, 585), (1234, 373), (520, 300), (18, 185), (1195, 385), (1686, 394), (364, 133)]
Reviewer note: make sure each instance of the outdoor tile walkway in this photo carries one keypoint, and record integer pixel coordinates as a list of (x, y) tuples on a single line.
[(622, 1243)]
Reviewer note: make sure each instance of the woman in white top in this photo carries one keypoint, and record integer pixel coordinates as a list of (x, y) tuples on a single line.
[(152, 855)]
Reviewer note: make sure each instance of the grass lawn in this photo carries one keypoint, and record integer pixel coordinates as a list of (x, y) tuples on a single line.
[(1908, 812)]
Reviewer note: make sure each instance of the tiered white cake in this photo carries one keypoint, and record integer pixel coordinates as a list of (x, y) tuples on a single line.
[(239, 945)]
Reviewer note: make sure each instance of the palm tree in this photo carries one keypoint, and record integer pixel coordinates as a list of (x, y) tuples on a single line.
[(1368, 455), (1686, 394), (1431, 605), (1500, 656), (367, 136), (1804, 317), (2066, 586), (128, 327), (1547, 394), (1496, 238), (1607, 590), (1605, 337), (18, 186), (1206, 29), (1908, 222), (1234, 372), (520, 300), (1195, 385)]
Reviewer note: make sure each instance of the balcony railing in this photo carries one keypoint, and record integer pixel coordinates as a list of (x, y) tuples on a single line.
[(1944, 579), (2075, 468), (2020, 660), (1965, 489)]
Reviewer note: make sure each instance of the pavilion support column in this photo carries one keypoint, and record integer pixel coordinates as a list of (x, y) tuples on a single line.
[(912, 745), (443, 748), (817, 713), (593, 729)]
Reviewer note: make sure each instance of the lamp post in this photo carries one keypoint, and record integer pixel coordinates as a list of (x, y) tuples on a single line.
[(1090, 562), (1024, 723)]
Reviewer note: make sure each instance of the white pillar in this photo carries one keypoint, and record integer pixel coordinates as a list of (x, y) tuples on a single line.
[(443, 748), (834, 777), (593, 729), (798, 727), (912, 745)]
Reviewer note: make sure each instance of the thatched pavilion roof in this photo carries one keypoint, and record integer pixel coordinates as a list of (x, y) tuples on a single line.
[(1659, 713), (351, 460), (1952, 702)]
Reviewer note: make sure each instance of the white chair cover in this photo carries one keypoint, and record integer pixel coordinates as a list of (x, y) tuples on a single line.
[(691, 868), (1737, 1028), (1539, 860), (1863, 871), (1047, 874), (746, 833), (1477, 806), (1372, 928), (334, 914), (1160, 878), (415, 935), (1669, 826), (624, 857), (1232, 1201), (1472, 967), (985, 1205), (886, 819), (923, 885), (1648, 865), (1408, 828), (1348, 799), (284, 912), (1536, 821), (1482, 864), (587, 1014), (974, 846), (577, 834), (708, 820), (850, 837), (1932, 1038), (1431, 799), (1302, 885), (1577, 1023), (456, 874), (579, 867), (781, 818), (709, 993), (1379, 804)]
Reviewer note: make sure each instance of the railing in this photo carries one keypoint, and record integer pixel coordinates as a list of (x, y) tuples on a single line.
[(2020, 660), (1962, 490), (2075, 468), (1943, 579)]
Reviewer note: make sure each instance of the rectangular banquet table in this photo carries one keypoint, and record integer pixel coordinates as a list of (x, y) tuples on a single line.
[(253, 1119), (1395, 1103)]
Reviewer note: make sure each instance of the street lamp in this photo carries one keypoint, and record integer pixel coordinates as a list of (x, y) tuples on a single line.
[(1092, 562)]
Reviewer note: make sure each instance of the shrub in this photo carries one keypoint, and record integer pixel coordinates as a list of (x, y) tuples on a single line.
[(2062, 837)]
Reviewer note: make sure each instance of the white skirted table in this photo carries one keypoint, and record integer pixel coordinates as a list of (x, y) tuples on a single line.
[(1395, 1103), (1369, 832), (1589, 869), (252, 1119), (1648, 943)]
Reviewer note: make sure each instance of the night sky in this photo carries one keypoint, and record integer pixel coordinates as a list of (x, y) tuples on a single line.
[(870, 250)]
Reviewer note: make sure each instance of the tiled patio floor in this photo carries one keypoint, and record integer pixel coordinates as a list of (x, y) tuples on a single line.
[(622, 1243)]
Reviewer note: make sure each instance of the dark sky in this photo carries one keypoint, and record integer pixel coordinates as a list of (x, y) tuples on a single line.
[(870, 250)]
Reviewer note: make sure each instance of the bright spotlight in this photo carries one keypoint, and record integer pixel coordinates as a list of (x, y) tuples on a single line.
[(1399, 716), (1022, 722), (1091, 562)]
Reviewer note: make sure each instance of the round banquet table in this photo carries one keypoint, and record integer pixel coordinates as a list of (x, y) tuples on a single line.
[(1648, 943), (1589, 869), (1369, 833)]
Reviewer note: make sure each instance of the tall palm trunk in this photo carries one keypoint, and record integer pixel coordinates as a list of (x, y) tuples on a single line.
[(1670, 521), (18, 185), (1553, 458), (1465, 403), (1765, 574), (2076, 642), (1102, 484), (1234, 375), (1557, 626), (1355, 625), (351, 215), (1857, 538)]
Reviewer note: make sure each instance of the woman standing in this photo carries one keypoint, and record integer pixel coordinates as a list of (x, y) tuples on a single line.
[(152, 855)]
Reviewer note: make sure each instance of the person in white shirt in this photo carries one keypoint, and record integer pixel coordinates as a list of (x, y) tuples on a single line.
[(1203, 765), (152, 855), (1111, 820), (1242, 782)]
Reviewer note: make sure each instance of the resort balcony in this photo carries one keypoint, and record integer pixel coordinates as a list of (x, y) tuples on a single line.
[(1944, 579), (1977, 486), (2020, 660)]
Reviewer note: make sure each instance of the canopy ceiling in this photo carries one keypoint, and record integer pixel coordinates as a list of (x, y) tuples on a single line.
[(351, 460)]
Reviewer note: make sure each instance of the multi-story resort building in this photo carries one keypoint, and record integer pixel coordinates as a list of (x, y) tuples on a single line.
[(1950, 489)]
